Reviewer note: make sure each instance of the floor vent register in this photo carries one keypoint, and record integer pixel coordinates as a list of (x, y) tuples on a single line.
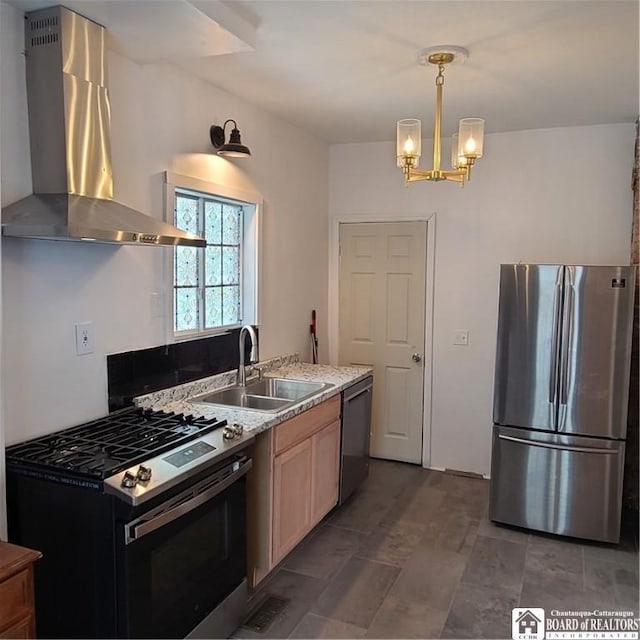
[(262, 618)]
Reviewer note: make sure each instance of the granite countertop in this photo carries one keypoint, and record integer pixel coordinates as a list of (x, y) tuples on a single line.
[(176, 398)]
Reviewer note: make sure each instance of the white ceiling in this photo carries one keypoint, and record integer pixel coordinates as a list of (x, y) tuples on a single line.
[(346, 70)]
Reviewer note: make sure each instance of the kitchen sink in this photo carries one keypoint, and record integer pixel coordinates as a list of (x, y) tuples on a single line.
[(268, 394), (284, 388)]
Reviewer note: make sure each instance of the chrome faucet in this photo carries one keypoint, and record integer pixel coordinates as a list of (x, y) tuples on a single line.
[(253, 356)]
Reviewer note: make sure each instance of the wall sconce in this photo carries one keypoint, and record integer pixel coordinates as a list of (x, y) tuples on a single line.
[(234, 148)]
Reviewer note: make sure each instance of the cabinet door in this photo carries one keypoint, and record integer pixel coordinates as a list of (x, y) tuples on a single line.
[(326, 471), (291, 498), (23, 628), (16, 605)]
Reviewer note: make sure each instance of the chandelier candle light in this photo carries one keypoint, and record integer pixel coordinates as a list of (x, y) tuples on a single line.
[(466, 146)]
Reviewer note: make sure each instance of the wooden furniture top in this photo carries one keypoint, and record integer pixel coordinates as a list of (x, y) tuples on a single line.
[(14, 558)]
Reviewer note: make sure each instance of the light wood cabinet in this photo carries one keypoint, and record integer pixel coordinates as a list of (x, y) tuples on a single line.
[(17, 617), (325, 471), (304, 425), (293, 484)]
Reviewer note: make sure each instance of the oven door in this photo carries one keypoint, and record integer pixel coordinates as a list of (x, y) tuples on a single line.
[(180, 560)]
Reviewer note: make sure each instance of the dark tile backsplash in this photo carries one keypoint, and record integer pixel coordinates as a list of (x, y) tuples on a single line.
[(134, 373)]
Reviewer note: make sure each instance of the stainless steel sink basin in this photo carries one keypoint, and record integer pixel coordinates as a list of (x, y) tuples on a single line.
[(284, 388), (268, 394)]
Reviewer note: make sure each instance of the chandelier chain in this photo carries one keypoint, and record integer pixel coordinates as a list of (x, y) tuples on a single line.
[(440, 76)]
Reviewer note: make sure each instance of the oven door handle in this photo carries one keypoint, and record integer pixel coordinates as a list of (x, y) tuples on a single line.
[(135, 531)]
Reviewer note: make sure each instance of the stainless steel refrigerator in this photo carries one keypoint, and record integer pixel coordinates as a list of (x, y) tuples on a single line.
[(560, 398)]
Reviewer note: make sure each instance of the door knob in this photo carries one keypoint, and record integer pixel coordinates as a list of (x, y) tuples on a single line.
[(416, 357)]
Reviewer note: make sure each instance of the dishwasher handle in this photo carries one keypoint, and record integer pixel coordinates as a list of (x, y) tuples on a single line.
[(357, 393)]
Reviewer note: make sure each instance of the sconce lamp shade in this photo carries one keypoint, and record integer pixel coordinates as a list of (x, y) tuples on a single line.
[(234, 147), (470, 138), (409, 141)]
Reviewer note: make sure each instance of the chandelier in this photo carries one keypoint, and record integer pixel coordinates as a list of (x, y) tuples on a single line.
[(466, 145)]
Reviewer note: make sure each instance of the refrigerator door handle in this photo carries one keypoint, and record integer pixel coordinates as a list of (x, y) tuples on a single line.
[(567, 338), (562, 447), (553, 379)]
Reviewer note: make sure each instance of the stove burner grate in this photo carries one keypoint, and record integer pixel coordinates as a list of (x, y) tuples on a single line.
[(111, 444)]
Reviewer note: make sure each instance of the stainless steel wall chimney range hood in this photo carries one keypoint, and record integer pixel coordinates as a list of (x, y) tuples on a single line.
[(69, 123)]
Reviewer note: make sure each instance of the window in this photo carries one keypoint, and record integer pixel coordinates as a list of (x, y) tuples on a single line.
[(213, 288)]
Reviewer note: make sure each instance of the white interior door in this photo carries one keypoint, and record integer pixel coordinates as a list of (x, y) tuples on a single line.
[(382, 325)]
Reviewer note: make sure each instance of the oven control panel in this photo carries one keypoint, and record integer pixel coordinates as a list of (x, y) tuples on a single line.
[(142, 482), (189, 454)]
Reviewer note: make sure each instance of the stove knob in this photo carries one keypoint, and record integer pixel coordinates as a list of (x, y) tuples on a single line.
[(129, 480), (228, 433), (237, 429), (144, 473)]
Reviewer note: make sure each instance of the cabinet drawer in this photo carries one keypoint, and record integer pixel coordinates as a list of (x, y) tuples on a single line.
[(23, 628), (567, 485), (15, 596), (306, 424)]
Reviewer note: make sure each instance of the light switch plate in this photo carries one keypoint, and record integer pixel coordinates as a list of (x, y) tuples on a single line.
[(461, 338)]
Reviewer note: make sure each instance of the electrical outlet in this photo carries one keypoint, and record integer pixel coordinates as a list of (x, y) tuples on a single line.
[(461, 338), (84, 338)]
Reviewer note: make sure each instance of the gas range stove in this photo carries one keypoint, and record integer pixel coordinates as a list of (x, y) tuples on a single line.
[(146, 510), (133, 453)]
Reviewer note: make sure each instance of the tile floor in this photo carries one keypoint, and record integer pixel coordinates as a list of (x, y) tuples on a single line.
[(413, 555)]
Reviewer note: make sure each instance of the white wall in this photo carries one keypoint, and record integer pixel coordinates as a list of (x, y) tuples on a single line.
[(160, 121), (13, 127), (556, 196)]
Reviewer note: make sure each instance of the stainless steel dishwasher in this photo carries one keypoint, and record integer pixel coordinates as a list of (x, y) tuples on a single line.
[(356, 426)]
